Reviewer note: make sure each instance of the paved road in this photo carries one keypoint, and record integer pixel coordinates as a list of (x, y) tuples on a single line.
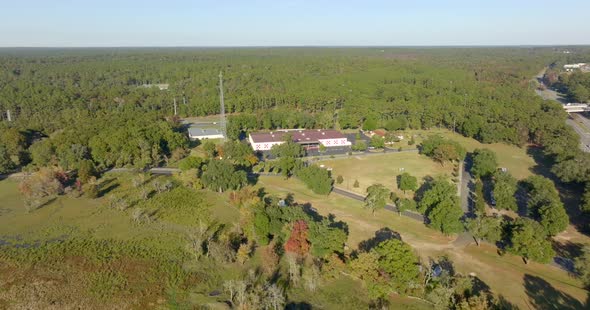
[(584, 136), (465, 186), (160, 171), (389, 207)]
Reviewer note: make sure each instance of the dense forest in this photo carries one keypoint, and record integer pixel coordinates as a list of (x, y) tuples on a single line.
[(98, 104)]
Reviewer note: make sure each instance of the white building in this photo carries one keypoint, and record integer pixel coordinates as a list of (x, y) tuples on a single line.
[(571, 67), (310, 139), (195, 133)]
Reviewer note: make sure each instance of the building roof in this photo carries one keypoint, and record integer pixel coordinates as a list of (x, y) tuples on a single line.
[(203, 132), (299, 136)]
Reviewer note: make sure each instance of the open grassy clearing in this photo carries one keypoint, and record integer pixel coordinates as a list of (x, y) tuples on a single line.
[(383, 168), (137, 259), (101, 258), (517, 160), (505, 275)]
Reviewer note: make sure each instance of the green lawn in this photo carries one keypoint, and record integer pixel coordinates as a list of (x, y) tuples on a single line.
[(383, 168), (503, 274), (516, 159)]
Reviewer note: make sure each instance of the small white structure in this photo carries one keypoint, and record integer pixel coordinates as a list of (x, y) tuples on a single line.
[(195, 133)]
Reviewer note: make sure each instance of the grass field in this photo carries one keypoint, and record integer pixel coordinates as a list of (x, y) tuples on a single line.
[(522, 284), (517, 160), (383, 168), (97, 230)]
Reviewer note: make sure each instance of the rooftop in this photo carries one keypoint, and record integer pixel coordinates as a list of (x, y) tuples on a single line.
[(299, 136), (195, 131)]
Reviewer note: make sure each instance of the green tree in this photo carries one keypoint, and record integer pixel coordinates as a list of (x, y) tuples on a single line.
[(399, 261), (221, 175), (442, 150), (191, 162), (585, 205), (356, 184), (446, 216), (359, 146), (262, 227), (485, 163), (404, 204), (14, 143), (42, 153), (407, 182), (209, 148), (376, 198), (370, 124), (480, 203), (326, 239), (377, 142), (317, 179), (485, 227), (440, 204), (339, 179), (288, 148), (5, 163), (527, 239), (545, 205), (553, 218), (505, 186), (86, 171), (582, 266)]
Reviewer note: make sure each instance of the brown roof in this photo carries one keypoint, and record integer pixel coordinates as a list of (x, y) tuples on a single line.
[(300, 136)]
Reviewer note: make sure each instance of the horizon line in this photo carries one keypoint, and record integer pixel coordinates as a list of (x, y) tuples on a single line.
[(294, 46)]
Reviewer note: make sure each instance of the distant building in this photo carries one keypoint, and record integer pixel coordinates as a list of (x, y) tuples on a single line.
[(572, 67), (308, 138), (197, 133), (159, 86)]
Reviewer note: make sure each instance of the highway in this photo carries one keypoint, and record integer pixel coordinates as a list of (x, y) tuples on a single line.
[(550, 94)]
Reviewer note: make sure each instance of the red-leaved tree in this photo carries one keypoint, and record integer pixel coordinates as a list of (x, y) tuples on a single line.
[(298, 242)]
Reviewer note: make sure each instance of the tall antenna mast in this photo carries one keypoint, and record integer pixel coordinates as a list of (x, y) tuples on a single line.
[(222, 109)]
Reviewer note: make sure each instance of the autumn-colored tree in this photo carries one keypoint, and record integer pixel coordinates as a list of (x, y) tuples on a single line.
[(41, 185), (298, 242)]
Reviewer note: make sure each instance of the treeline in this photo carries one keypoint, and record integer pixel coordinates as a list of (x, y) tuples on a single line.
[(575, 85), (108, 140)]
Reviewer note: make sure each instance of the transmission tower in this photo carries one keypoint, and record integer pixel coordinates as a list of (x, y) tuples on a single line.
[(222, 109)]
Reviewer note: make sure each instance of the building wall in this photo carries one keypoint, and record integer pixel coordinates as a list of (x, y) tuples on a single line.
[(264, 146), (335, 142), (206, 137)]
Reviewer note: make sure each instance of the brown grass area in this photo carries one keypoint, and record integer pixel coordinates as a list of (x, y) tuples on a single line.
[(383, 168)]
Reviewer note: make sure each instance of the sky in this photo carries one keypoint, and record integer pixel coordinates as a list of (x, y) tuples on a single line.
[(100, 23)]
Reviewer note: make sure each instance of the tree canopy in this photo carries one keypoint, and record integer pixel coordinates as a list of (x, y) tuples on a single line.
[(485, 163)]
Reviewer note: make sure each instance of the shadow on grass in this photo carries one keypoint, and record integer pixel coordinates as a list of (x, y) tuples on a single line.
[(302, 305), (381, 235), (569, 193), (542, 295)]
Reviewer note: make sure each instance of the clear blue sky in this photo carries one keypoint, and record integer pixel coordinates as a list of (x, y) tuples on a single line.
[(292, 22)]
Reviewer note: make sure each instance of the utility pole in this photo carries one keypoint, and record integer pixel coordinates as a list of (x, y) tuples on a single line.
[(183, 99), (8, 116), (174, 106), (222, 109)]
